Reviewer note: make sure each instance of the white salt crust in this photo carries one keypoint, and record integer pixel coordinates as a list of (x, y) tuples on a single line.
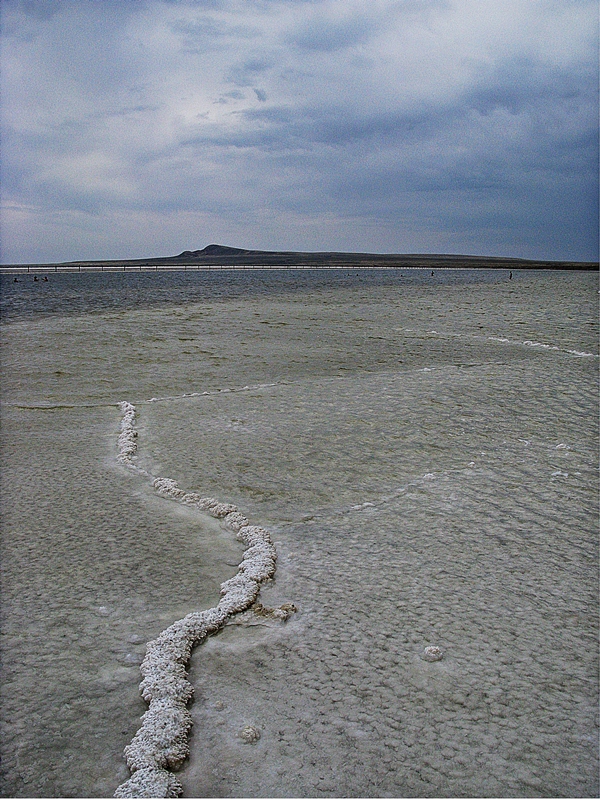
[(433, 653), (542, 345), (127, 437), (161, 743)]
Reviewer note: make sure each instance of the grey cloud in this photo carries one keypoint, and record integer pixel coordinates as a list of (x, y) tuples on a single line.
[(522, 82), (206, 32), (227, 97), (322, 35), (312, 126), (40, 9), (246, 72), (505, 158), (336, 127), (212, 4)]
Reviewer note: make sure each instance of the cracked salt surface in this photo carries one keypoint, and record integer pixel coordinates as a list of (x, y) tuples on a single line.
[(394, 534)]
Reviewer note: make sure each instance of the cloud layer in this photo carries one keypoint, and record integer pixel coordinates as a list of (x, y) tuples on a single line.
[(145, 127)]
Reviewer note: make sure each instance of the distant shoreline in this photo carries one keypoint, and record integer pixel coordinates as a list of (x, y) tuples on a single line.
[(63, 269), (216, 256), (151, 266)]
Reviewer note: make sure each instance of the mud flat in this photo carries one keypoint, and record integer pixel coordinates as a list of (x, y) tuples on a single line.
[(425, 459)]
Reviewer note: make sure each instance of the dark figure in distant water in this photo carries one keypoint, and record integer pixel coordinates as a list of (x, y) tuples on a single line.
[(432, 273), (35, 277), (45, 277), (16, 280), (510, 277)]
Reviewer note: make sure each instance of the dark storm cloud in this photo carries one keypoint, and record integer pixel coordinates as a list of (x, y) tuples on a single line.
[(388, 126)]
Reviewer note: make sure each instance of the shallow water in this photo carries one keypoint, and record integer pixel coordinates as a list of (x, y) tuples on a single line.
[(95, 291), (427, 465)]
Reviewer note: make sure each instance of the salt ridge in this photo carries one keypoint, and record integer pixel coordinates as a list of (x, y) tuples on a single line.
[(501, 340), (542, 345), (229, 390), (161, 744)]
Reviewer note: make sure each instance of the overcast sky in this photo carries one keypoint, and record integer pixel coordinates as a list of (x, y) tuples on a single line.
[(140, 128)]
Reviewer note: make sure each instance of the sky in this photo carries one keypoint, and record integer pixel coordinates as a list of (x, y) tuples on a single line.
[(141, 128)]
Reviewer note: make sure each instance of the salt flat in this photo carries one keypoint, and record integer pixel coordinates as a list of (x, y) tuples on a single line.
[(425, 458)]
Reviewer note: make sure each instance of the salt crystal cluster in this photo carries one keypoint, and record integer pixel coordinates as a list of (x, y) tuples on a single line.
[(284, 612), (161, 743), (433, 653), (127, 437), (149, 782), (249, 734)]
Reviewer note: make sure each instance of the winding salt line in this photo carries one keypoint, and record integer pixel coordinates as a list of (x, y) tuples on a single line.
[(227, 390), (504, 340), (500, 340), (161, 743), (543, 346), (128, 435), (230, 390)]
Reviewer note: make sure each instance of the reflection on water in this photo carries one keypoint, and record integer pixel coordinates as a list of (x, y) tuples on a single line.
[(429, 479)]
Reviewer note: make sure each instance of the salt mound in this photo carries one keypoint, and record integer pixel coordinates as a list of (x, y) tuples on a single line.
[(161, 743), (150, 782)]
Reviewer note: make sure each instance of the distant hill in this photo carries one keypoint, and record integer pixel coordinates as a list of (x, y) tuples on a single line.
[(221, 255), (218, 255), (214, 250)]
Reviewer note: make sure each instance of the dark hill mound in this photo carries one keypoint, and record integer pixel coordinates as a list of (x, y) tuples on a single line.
[(214, 250), (219, 255)]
